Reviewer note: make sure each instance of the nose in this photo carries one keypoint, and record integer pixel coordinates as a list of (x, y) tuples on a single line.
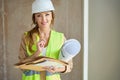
[(44, 19)]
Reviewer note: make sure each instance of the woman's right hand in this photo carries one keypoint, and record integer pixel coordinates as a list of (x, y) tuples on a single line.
[(41, 45)]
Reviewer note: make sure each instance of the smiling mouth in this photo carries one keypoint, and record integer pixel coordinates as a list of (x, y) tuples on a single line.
[(44, 23)]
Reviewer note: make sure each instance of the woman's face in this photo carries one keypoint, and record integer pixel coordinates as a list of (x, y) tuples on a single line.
[(43, 19)]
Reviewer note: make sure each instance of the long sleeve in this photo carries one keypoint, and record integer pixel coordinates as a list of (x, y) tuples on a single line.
[(69, 66), (22, 49)]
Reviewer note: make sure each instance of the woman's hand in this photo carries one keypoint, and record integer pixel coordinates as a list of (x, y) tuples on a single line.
[(41, 45), (53, 69)]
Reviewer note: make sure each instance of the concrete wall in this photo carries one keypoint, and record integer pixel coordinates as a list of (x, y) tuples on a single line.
[(1, 44), (17, 19), (104, 37)]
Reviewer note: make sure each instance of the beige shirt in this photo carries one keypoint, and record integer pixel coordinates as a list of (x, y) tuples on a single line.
[(23, 55)]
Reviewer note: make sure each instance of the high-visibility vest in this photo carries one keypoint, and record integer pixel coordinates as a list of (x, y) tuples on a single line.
[(53, 49)]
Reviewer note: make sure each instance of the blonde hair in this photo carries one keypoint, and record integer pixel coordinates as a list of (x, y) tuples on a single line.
[(29, 37)]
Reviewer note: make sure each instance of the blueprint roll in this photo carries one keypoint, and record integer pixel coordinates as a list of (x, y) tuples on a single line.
[(69, 49)]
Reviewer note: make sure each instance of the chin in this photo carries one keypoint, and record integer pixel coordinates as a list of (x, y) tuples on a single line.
[(44, 26)]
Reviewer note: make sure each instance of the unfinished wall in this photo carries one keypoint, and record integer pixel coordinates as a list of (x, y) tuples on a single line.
[(104, 40), (18, 20), (1, 43)]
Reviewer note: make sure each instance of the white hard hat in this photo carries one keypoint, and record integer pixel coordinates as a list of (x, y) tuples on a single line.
[(42, 6), (69, 49)]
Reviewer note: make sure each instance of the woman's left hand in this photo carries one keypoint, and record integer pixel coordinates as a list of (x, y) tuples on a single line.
[(53, 69)]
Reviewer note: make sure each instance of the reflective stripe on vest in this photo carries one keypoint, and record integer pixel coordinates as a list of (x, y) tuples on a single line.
[(54, 45), (31, 72)]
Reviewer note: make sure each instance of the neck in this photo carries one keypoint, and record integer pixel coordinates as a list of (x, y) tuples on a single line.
[(44, 31)]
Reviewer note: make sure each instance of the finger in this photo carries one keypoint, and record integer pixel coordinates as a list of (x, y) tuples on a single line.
[(51, 69), (41, 44)]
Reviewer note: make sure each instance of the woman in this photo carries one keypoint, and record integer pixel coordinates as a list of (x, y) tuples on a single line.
[(42, 41)]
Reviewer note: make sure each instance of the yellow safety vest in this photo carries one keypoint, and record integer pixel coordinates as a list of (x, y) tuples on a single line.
[(54, 45)]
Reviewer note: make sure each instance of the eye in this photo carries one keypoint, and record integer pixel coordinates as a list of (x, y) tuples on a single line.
[(47, 14), (38, 15)]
